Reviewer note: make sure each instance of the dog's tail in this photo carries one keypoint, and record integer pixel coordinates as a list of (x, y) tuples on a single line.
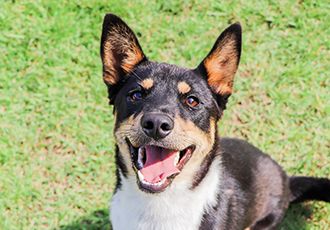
[(309, 188)]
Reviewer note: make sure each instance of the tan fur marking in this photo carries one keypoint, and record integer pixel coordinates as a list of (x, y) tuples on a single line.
[(147, 83), (183, 87), (186, 131), (121, 133), (221, 67), (134, 57)]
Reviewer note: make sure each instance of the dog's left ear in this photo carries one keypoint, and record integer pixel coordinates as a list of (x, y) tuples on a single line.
[(120, 52), (221, 64)]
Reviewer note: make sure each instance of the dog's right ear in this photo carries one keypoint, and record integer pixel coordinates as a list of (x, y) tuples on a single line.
[(120, 52)]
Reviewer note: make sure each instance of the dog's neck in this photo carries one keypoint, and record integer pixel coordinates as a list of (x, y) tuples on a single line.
[(180, 206)]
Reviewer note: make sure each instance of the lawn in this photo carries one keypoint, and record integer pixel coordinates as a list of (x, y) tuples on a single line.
[(56, 143)]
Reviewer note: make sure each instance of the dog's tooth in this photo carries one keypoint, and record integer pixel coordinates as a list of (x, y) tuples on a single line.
[(177, 158), (141, 150), (141, 177), (160, 182), (141, 153)]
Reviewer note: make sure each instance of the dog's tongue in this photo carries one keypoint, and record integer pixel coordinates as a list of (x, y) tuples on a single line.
[(159, 164)]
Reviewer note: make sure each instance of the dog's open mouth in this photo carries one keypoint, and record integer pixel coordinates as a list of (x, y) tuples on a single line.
[(156, 167)]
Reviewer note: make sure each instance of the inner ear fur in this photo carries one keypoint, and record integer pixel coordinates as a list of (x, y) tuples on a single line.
[(222, 62), (120, 49)]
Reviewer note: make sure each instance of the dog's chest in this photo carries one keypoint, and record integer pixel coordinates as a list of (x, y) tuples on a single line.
[(177, 208)]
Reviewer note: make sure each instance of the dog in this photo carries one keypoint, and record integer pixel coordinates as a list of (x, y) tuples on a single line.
[(173, 170)]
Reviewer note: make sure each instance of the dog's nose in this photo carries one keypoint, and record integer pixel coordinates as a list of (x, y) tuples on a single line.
[(157, 125)]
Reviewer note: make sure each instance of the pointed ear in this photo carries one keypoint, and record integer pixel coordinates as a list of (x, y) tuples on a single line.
[(221, 64), (120, 50)]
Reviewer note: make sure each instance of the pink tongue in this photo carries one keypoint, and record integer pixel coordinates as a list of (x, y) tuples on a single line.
[(159, 164)]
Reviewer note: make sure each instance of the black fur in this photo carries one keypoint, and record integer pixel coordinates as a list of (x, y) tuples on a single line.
[(309, 188)]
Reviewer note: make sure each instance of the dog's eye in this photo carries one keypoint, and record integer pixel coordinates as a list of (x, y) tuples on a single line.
[(136, 96), (192, 101)]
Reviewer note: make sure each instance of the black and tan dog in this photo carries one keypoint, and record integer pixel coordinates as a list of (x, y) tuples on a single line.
[(173, 170)]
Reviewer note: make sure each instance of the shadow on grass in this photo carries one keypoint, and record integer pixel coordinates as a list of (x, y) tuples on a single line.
[(98, 220), (296, 218)]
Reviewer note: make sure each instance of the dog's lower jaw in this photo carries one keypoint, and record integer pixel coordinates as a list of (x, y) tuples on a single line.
[(178, 207)]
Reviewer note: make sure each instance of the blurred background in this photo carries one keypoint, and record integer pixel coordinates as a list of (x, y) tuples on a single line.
[(56, 142)]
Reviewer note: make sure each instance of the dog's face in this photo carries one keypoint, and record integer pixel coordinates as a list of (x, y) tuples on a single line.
[(165, 115)]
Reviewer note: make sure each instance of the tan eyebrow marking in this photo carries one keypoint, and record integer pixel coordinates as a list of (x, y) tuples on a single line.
[(183, 87), (147, 83)]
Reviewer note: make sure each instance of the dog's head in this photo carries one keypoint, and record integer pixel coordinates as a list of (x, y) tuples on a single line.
[(165, 115)]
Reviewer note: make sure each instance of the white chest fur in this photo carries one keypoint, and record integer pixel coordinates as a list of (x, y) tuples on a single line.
[(177, 208)]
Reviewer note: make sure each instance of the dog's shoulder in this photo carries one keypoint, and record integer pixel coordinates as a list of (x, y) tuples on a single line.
[(251, 182), (237, 153)]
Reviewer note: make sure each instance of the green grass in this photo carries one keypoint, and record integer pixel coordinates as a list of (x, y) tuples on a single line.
[(56, 143)]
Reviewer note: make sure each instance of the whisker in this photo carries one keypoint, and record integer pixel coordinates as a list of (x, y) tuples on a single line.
[(137, 76)]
